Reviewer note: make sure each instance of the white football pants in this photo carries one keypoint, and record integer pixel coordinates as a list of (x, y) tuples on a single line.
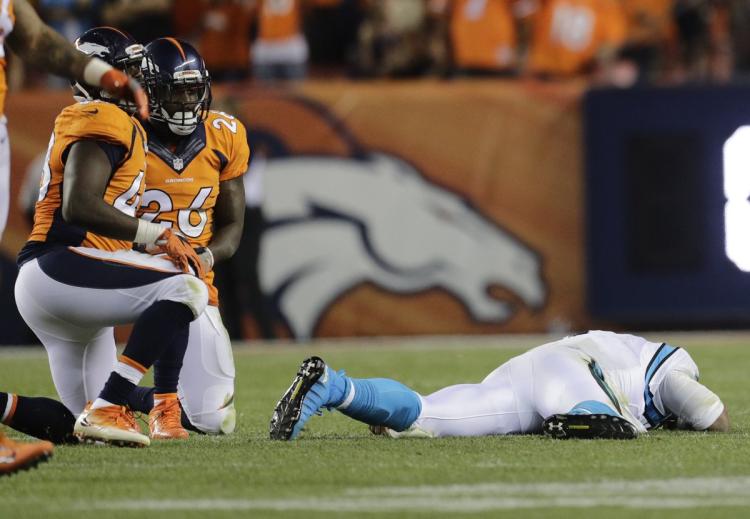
[(4, 174), (513, 399), (74, 319), (206, 386)]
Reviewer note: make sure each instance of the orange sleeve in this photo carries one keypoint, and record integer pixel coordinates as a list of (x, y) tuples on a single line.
[(238, 154)]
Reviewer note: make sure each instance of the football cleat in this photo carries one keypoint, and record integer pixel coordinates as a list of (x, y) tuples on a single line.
[(411, 432), (17, 456), (588, 426), (308, 393), (113, 424), (165, 421)]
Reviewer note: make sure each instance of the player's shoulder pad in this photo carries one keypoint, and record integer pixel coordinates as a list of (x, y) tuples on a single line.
[(226, 127), (97, 120)]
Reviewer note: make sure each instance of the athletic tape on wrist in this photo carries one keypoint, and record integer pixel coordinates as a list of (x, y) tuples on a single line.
[(94, 70), (147, 232)]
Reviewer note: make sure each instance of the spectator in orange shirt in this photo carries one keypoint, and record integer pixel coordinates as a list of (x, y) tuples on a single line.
[(280, 50), (225, 39), (482, 34), (571, 37)]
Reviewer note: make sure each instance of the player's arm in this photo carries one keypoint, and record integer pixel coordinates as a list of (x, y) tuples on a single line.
[(43, 48), (695, 406), (229, 217), (87, 172)]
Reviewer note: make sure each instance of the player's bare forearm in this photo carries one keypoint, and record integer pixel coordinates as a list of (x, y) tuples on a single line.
[(229, 217), (87, 172), (43, 48)]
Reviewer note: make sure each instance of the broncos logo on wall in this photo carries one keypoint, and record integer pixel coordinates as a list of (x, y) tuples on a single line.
[(337, 221)]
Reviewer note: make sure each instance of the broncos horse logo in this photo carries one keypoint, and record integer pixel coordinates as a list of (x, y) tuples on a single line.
[(335, 223)]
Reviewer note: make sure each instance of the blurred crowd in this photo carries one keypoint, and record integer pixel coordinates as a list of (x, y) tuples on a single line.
[(620, 42)]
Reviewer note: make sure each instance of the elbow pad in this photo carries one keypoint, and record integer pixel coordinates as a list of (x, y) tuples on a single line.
[(689, 400)]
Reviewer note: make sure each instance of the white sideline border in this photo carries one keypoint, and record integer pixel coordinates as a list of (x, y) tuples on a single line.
[(677, 493)]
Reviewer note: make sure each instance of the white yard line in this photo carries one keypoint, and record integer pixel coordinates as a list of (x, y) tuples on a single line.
[(679, 493)]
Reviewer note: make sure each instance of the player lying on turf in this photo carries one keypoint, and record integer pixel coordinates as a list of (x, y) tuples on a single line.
[(596, 385), (78, 276)]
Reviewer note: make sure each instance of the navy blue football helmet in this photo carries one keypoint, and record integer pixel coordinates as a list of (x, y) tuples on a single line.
[(178, 85), (117, 48)]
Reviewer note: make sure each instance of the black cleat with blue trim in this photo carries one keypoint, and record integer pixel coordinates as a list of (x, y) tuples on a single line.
[(288, 416), (588, 426)]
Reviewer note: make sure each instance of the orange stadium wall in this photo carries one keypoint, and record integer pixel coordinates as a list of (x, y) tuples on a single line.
[(398, 208)]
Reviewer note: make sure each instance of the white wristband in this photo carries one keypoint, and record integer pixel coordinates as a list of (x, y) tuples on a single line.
[(147, 232), (94, 70)]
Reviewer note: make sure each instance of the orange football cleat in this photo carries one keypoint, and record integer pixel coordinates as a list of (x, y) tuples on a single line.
[(165, 420), (114, 424), (16, 456)]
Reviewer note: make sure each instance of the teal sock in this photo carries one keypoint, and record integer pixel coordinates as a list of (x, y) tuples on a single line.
[(593, 407), (380, 401)]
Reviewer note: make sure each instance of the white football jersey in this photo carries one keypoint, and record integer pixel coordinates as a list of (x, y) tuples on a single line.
[(634, 369)]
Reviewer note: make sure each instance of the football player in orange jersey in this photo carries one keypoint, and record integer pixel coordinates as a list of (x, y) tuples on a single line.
[(43, 48), (196, 159), (79, 275)]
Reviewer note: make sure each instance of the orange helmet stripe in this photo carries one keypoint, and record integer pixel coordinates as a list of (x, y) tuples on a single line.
[(177, 44), (113, 29)]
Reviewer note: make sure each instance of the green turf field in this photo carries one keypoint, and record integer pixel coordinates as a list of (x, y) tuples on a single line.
[(338, 469)]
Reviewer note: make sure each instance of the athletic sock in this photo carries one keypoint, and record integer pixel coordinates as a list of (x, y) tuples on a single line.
[(167, 367), (141, 399), (157, 329), (40, 417), (593, 407), (115, 392), (380, 401)]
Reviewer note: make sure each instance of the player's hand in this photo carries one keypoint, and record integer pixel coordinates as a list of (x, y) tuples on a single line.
[(206, 257), (179, 251), (122, 86)]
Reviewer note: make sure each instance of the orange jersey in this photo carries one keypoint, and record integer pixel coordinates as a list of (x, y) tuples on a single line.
[(483, 34), (182, 185), (98, 121), (568, 34), (7, 19), (279, 19), (229, 21)]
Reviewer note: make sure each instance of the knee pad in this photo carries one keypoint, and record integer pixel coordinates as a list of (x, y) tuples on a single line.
[(221, 421), (188, 290)]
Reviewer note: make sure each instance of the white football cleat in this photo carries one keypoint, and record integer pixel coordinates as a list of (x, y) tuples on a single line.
[(113, 424)]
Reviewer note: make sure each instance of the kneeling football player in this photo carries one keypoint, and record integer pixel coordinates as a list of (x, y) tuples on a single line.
[(196, 159), (79, 277), (207, 385)]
